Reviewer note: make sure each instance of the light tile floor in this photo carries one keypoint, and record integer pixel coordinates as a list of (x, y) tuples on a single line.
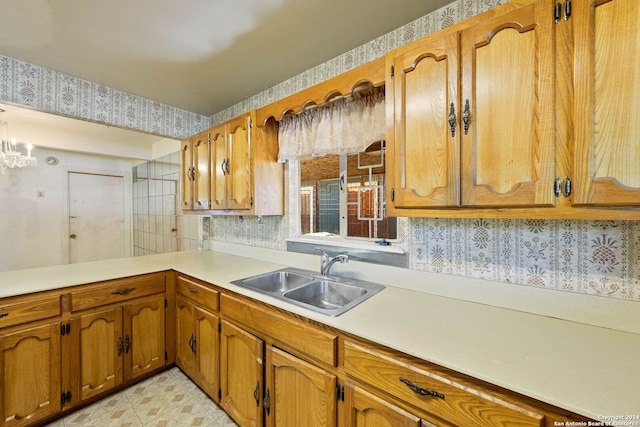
[(164, 400)]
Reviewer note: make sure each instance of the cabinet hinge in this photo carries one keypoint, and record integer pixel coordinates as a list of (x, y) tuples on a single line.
[(561, 9), (65, 397), (251, 201), (65, 329), (393, 71)]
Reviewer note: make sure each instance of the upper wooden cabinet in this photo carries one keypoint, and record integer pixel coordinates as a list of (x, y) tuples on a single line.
[(607, 89), (481, 115), (506, 109), (194, 154), (240, 176)]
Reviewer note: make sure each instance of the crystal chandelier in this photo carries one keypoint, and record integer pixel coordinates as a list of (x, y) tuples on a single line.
[(10, 157)]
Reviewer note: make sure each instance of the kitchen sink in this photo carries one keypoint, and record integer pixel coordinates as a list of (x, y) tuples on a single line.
[(276, 281), (330, 295)]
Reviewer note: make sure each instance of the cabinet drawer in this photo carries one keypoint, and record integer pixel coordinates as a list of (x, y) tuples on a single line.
[(117, 290), (14, 311), (313, 342), (199, 293), (454, 400)]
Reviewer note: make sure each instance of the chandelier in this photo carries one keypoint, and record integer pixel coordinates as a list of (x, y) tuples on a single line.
[(10, 156)]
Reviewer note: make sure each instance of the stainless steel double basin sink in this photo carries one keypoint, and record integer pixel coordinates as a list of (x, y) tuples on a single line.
[(330, 295)]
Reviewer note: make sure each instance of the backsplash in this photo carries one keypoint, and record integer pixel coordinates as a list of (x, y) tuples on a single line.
[(589, 257)]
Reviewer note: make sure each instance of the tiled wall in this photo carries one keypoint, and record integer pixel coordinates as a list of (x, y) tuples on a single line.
[(158, 225)]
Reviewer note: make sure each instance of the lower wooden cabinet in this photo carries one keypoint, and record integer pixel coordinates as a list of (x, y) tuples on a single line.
[(114, 345), (197, 345), (29, 374), (241, 374), (363, 409), (298, 393)]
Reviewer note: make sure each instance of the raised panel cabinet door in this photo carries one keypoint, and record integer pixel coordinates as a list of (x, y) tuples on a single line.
[(607, 89), (101, 351), (241, 371), (219, 167), (144, 337), (426, 140), (207, 352), (508, 122), (201, 164), (239, 176), (185, 336), (29, 374), (367, 410), (187, 174), (298, 393)]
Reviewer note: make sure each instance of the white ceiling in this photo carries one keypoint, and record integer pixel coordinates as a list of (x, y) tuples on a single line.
[(199, 55)]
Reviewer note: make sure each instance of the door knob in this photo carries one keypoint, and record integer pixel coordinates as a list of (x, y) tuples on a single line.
[(73, 236)]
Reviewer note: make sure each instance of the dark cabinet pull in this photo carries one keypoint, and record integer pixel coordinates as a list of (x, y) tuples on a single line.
[(452, 119), (127, 344), (566, 190), (193, 290), (256, 394), (267, 406), (421, 391), (119, 346), (3, 315), (557, 187), (466, 116), (123, 291)]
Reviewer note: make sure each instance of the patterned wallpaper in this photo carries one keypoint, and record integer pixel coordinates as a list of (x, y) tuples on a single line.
[(46, 90), (590, 257)]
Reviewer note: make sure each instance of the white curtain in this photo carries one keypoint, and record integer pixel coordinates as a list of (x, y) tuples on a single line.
[(344, 126)]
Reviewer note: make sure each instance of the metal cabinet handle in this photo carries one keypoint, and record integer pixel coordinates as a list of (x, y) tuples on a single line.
[(466, 116), (256, 396), (566, 190), (267, 405), (119, 346), (224, 161), (127, 344), (123, 291), (193, 290), (3, 315), (419, 390), (557, 187), (452, 119), (227, 167)]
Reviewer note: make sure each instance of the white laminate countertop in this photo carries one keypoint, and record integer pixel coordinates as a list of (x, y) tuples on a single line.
[(591, 370)]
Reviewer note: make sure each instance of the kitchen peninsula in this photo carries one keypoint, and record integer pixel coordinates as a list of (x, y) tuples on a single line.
[(588, 369)]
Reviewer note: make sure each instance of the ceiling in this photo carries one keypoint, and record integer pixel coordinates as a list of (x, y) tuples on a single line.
[(202, 56)]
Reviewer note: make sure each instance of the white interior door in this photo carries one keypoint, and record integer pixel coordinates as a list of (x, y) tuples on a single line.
[(96, 217)]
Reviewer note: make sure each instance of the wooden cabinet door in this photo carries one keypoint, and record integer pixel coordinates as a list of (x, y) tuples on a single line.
[(185, 336), (219, 166), (187, 174), (207, 347), (30, 374), (144, 338), (101, 351), (424, 155), (508, 83), (606, 109), (201, 166), (241, 372), (239, 177), (298, 393), (366, 410)]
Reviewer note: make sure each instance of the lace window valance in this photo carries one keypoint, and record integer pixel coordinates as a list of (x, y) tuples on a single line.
[(344, 126)]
